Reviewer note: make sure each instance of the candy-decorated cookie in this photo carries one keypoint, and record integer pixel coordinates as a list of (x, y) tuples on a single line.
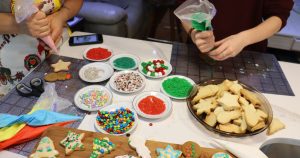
[(191, 150), (138, 143), (45, 149), (73, 142), (125, 156), (221, 155), (61, 66), (102, 147), (169, 152)]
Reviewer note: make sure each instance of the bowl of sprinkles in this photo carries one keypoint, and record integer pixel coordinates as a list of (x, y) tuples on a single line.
[(96, 72), (155, 68), (127, 81), (97, 53), (93, 98), (152, 105), (177, 86), (116, 119), (124, 62)]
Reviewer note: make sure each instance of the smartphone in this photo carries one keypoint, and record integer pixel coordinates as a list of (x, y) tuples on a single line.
[(85, 40)]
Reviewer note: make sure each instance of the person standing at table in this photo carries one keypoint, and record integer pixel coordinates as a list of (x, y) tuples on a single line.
[(241, 25), (20, 48)]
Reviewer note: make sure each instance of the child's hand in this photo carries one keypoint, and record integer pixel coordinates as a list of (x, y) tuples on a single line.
[(38, 25)]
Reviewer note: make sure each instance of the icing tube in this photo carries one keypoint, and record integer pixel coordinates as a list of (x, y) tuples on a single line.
[(23, 10)]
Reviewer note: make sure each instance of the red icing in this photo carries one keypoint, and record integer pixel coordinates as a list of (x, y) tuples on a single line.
[(98, 54), (152, 105)]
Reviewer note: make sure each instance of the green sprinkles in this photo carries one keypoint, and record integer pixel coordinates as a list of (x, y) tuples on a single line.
[(124, 63), (177, 87)]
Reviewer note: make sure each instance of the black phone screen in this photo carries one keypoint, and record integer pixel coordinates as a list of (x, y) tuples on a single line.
[(86, 39)]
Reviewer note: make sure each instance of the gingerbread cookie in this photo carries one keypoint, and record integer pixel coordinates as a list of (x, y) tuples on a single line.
[(169, 152), (138, 143), (45, 149), (191, 150), (73, 142), (61, 66), (57, 76), (102, 147), (221, 155)]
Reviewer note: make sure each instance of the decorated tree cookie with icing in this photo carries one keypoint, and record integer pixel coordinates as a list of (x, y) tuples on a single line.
[(45, 149), (73, 142), (191, 150), (138, 143), (102, 147), (169, 152)]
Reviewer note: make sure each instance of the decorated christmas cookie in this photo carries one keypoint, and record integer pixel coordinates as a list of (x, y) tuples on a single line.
[(125, 156), (102, 147), (45, 149), (138, 143), (169, 152), (73, 142), (191, 150), (61, 66), (221, 155), (154, 68)]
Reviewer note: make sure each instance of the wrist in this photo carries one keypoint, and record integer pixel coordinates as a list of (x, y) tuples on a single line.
[(245, 38)]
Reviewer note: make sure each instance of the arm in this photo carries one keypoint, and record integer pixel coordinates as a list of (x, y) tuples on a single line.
[(232, 45), (37, 25), (59, 19), (8, 24)]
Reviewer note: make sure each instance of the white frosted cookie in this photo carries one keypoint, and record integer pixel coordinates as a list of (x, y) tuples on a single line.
[(221, 155), (45, 149), (138, 143), (73, 142)]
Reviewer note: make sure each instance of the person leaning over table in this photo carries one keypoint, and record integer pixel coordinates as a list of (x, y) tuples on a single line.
[(20, 50), (241, 25)]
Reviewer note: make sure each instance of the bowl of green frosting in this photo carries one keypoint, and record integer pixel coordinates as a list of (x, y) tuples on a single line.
[(124, 62)]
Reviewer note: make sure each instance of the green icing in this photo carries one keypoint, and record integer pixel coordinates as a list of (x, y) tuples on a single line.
[(177, 87), (203, 25), (124, 63)]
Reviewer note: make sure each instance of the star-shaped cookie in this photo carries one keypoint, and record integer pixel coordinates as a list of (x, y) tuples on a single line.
[(169, 152), (73, 142), (61, 66)]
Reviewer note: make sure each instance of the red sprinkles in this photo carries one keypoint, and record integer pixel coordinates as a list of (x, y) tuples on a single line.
[(98, 54)]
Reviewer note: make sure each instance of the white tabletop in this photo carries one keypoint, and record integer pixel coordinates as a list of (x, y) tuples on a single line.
[(180, 126)]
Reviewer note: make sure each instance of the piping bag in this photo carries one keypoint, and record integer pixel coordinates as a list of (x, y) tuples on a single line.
[(23, 10)]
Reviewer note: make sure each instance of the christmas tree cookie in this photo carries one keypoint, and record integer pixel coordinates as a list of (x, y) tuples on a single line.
[(45, 149), (73, 142), (102, 147)]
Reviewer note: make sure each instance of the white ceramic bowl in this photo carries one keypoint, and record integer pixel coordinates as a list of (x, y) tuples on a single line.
[(165, 63), (135, 58), (106, 72), (101, 46)]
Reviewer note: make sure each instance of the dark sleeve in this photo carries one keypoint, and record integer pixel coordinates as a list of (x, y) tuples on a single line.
[(279, 8)]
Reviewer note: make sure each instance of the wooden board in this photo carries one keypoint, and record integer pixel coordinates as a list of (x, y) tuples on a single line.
[(122, 148)]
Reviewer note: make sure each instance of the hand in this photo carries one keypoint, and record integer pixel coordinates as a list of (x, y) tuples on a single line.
[(204, 40), (228, 47), (37, 25), (56, 26)]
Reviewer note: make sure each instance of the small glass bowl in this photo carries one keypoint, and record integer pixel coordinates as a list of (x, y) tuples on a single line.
[(266, 107)]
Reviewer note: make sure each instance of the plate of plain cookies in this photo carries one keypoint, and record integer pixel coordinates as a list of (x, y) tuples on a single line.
[(230, 108)]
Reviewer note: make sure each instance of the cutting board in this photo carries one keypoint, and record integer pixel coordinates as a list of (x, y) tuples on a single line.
[(122, 148)]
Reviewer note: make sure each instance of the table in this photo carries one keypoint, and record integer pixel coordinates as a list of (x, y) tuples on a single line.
[(180, 123)]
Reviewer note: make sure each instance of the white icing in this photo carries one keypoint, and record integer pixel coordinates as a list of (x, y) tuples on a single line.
[(138, 143), (125, 156)]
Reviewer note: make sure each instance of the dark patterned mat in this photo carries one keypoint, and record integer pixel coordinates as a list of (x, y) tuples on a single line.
[(259, 70), (14, 104)]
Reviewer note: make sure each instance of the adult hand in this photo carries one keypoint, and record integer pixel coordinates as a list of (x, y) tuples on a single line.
[(204, 40), (56, 26), (228, 47), (37, 25)]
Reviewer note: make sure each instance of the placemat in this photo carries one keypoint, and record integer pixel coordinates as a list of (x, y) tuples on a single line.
[(259, 70), (14, 104)]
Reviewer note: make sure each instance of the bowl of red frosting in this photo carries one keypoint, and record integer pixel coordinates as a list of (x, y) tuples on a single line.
[(152, 105), (98, 53)]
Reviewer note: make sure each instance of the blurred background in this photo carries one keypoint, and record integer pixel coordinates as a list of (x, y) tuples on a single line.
[(154, 20)]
